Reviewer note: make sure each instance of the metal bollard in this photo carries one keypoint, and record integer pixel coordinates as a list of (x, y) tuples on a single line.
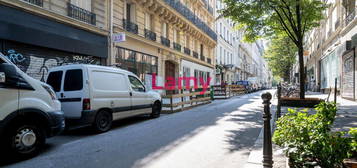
[(267, 145)]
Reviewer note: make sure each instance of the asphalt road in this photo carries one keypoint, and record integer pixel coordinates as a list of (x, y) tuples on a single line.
[(216, 135)]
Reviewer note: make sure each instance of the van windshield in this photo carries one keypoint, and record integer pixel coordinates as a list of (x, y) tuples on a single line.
[(55, 79), (73, 80)]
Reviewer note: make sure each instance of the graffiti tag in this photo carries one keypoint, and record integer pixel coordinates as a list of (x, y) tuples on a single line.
[(15, 57)]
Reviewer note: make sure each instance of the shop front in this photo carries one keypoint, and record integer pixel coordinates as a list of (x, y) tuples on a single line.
[(329, 70), (36, 44), (139, 63)]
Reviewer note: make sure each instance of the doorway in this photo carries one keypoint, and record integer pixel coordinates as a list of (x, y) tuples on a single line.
[(170, 71)]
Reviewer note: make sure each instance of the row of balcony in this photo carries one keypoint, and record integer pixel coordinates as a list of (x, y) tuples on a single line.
[(81, 14), (189, 15), (72, 11), (35, 2), (207, 6), (90, 18), (133, 28), (351, 16)]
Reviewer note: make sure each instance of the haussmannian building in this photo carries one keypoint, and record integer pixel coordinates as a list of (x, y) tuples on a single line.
[(331, 51), (171, 38)]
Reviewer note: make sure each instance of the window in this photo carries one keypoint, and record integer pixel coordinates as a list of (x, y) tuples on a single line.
[(84, 4), (73, 80), (187, 44), (148, 21), (224, 57), (164, 30), (224, 32), (220, 55), (136, 85), (201, 49), (186, 73), (176, 36), (220, 29), (116, 83), (130, 12), (55, 79), (136, 62)]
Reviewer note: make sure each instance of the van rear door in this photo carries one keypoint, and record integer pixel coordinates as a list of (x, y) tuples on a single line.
[(72, 93)]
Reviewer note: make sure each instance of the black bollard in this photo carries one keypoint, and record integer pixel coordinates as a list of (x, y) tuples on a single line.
[(267, 145)]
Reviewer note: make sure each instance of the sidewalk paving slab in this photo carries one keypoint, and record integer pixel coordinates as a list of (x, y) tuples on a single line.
[(346, 118)]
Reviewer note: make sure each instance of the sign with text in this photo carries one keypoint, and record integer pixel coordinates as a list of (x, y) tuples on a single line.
[(118, 37)]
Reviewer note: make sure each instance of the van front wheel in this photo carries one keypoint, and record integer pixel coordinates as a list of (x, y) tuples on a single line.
[(156, 110), (26, 140), (103, 121)]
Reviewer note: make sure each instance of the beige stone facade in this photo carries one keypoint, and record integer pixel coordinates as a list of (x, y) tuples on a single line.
[(162, 36), (156, 29), (58, 10), (327, 44)]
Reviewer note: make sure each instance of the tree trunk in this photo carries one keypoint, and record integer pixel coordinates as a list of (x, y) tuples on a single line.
[(301, 69)]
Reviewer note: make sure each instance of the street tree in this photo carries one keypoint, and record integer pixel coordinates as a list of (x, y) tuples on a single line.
[(280, 55), (261, 18)]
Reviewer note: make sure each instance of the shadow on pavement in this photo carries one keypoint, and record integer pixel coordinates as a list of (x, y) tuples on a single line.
[(131, 140)]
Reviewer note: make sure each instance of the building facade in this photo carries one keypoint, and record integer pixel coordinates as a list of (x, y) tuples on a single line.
[(171, 38), (227, 50), (39, 34), (330, 47)]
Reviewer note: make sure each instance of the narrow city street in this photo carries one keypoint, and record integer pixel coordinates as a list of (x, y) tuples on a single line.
[(217, 135)]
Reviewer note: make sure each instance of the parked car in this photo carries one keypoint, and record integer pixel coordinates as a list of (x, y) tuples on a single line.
[(29, 112), (94, 95), (246, 84)]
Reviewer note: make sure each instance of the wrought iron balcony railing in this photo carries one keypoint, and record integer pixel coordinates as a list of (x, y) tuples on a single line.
[(35, 2), (350, 17), (81, 14), (203, 58), (183, 10), (165, 41), (195, 54), (150, 35), (209, 60), (187, 51), (177, 47), (130, 26)]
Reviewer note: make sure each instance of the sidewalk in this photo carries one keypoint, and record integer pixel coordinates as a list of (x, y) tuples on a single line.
[(346, 118), (256, 154)]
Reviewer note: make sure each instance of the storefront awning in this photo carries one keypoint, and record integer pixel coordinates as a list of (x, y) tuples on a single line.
[(21, 26)]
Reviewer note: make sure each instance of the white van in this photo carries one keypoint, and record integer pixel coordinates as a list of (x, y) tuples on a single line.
[(29, 112), (96, 95)]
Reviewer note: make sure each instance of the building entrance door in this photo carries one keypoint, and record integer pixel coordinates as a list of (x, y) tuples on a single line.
[(170, 73)]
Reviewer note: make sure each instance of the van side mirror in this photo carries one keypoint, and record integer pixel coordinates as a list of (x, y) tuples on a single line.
[(2, 78), (8, 74), (142, 89)]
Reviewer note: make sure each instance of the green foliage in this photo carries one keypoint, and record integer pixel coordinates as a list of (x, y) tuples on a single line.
[(291, 18), (281, 56), (308, 140), (353, 133), (271, 17)]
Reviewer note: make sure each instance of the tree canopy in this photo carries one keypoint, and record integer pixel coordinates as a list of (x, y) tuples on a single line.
[(292, 18), (281, 56)]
